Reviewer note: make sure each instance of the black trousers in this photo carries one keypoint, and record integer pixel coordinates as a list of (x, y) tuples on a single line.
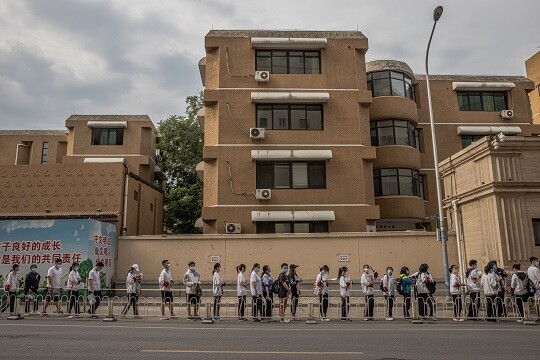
[(11, 302), (73, 301), (132, 302), (520, 301), (241, 306), (389, 305), (501, 307), (28, 301), (217, 305), (323, 305), (425, 301), (269, 302), (370, 303), (345, 305), (294, 304), (406, 305), (474, 305), (491, 307), (257, 306), (95, 305), (457, 304)]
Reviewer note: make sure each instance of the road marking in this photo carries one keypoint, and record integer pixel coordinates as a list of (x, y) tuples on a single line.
[(234, 352)]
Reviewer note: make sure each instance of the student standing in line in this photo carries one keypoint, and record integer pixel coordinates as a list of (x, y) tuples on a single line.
[(133, 280), (533, 272), (344, 288), (294, 281), (54, 286), (389, 291), (268, 293), (256, 289), (518, 286), (73, 284), (406, 286), (489, 284), (192, 280), (241, 291), (10, 286), (31, 286), (321, 289), (166, 283), (284, 292), (368, 277), (425, 299), (455, 292), (94, 287), (473, 283), (501, 288), (217, 289)]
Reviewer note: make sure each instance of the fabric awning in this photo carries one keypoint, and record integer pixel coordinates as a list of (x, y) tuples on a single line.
[(107, 124), (488, 130), (481, 86), (288, 43), (293, 97), (324, 215), (271, 155)]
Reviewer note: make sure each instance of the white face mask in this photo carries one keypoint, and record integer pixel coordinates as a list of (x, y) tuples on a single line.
[(366, 270), (192, 268), (75, 268), (257, 270), (536, 263), (390, 272), (57, 266)]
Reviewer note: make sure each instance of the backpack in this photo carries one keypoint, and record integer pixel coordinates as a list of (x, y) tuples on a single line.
[(275, 286), (432, 287), (530, 287), (399, 286)]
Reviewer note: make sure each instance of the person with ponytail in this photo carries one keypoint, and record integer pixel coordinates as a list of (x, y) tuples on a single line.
[(344, 287), (256, 292), (241, 291), (217, 287), (455, 291), (321, 289)]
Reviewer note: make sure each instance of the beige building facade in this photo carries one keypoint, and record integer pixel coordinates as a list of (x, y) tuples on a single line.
[(532, 66), (101, 167)]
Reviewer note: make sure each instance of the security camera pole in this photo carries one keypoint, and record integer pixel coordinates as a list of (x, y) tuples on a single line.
[(441, 224)]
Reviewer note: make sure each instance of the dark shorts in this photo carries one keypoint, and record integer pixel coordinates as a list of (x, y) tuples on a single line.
[(167, 296), (283, 294), (193, 299), (53, 294)]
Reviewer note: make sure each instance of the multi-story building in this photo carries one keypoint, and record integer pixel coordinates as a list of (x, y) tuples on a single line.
[(102, 167), (532, 66), (302, 136)]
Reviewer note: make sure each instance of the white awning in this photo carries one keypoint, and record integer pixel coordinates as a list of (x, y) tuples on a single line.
[(271, 155), (480, 86), (325, 215), (488, 130), (290, 97), (103, 160), (107, 124), (288, 43)]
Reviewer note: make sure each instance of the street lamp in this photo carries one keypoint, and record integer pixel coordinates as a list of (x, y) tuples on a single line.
[(441, 225)]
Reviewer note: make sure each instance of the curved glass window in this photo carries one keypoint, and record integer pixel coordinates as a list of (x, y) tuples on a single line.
[(398, 182), (393, 132), (390, 83)]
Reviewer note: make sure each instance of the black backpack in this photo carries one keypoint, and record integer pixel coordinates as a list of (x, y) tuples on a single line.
[(275, 286), (399, 286), (432, 287), (530, 287)]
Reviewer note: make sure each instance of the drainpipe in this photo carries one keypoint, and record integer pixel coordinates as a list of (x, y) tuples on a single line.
[(124, 215), (17, 153), (459, 239)]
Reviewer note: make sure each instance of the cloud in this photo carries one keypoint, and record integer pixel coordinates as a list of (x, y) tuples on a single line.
[(12, 225)]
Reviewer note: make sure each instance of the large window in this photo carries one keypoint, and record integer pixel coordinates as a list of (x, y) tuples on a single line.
[(394, 132), (398, 182), (44, 152), (481, 101), (268, 227), (107, 136), (290, 117), (390, 83), (289, 62), (291, 175), (467, 140), (536, 231)]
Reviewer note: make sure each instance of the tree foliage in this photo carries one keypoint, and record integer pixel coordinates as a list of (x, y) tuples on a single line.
[(181, 147)]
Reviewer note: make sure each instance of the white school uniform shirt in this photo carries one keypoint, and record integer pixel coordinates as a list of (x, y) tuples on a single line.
[(56, 277), (217, 284), (258, 288), (534, 275), (73, 282), (421, 288), (519, 286), (165, 276), (473, 280), (241, 290), (365, 281), (94, 276), (323, 278), (489, 284), (131, 283), (343, 288), (191, 278), (12, 280), (455, 284), (390, 284)]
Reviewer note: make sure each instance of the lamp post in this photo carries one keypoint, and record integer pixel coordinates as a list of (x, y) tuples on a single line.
[(441, 224)]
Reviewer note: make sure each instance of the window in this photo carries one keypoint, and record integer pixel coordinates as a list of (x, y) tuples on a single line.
[(536, 231), (44, 152), (291, 175), (390, 83), (481, 101), (398, 182), (467, 140), (269, 227), (290, 117), (393, 132), (107, 136), (289, 62)]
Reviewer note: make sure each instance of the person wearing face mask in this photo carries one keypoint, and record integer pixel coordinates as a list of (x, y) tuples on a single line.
[(388, 287), (217, 289), (166, 283), (73, 283), (344, 289), (31, 286), (518, 286), (321, 286), (133, 280), (425, 299), (473, 285), (406, 286), (192, 280), (54, 286), (241, 291), (294, 281), (268, 293), (284, 291), (501, 278), (533, 272), (256, 289), (10, 286), (94, 288), (489, 283), (367, 279), (455, 292)]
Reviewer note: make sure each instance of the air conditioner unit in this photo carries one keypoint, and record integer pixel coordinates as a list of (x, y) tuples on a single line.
[(233, 228), (256, 133), (507, 114), (262, 76), (263, 194)]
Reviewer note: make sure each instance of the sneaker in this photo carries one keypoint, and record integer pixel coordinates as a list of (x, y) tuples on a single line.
[(343, 320), (349, 319), (366, 319), (520, 321), (455, 319), (255, 320), (285, 321), (164, 318), (69, 317), (217, 318), (390, 319), (433, 319), (461, 320), (325, 319)]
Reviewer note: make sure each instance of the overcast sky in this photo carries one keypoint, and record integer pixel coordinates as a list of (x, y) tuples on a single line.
[(59, 57)]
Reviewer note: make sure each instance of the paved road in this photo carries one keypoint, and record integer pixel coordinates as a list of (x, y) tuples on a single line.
[(59, 338)]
